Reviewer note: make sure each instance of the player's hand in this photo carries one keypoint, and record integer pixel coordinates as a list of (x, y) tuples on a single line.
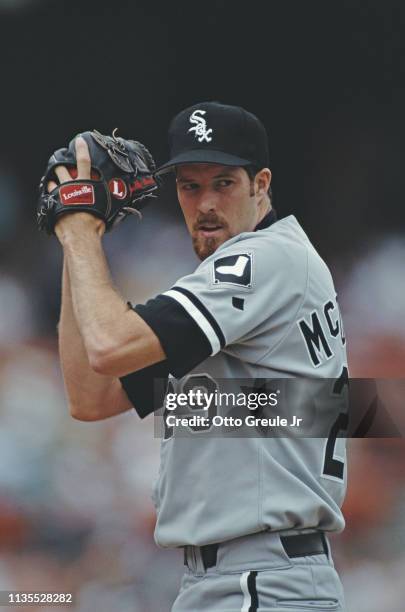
[(81, 222)]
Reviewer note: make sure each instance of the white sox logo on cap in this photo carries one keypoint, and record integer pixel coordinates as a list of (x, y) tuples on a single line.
[(200, 127)]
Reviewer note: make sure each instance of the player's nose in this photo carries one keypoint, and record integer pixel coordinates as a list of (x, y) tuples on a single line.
[(207, 202)]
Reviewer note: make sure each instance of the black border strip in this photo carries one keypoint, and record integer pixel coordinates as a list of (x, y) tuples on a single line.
[(254, 599), (206, 313)]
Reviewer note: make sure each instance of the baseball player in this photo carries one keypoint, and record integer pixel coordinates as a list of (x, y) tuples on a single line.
[(252, 512)]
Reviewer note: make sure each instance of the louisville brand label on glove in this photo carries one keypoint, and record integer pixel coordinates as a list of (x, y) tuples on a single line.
[(79, 193)]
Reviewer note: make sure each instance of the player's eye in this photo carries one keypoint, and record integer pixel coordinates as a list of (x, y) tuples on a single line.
[(189, 186), (224, 183)]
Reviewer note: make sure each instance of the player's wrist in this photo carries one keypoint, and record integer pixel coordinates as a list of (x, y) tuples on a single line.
[(79, 227)]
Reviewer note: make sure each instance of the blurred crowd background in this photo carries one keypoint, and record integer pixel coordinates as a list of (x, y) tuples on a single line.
[(328, 81)]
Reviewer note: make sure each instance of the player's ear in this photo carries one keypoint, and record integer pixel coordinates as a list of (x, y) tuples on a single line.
[(262, 180)]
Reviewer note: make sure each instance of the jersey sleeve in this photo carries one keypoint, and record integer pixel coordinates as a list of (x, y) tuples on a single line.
[(146, 388), (230, 298)]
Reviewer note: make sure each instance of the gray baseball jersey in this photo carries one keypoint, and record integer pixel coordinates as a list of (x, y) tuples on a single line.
[(262, 306)]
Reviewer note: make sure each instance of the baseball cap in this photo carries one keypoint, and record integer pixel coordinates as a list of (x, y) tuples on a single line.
[(211, 132)]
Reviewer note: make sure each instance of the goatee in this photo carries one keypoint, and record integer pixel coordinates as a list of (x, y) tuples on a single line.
[(204, 248)]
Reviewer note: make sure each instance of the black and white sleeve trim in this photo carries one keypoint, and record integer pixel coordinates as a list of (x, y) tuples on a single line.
[(187, 331), (201, 316)]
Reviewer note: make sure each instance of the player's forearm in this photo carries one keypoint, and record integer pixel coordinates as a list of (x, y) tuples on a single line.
[(90, 395), (112, 333), (97, 306)]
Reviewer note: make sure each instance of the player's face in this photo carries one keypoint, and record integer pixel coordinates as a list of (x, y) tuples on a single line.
[(218, 202)]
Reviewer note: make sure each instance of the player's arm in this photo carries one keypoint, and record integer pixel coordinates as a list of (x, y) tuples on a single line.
[(94, 318), (91, 396), (117, 341)]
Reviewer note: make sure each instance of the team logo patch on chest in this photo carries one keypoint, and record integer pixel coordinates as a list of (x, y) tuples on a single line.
[(234, 270)]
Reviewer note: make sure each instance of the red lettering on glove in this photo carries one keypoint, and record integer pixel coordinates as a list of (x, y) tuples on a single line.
[(141, 183)]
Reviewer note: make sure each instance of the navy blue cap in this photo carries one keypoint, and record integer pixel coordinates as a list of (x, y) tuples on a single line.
[(210, 132)]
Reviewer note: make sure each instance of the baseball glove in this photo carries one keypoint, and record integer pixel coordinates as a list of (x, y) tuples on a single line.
[(121, 181)]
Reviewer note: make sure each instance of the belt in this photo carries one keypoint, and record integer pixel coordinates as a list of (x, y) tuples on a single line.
[(300, 545)]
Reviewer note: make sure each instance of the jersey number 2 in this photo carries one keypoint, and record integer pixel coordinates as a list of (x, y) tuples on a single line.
[(332, 466)]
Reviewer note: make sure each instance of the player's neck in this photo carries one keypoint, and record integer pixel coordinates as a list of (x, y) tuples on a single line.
[(268, 219)]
